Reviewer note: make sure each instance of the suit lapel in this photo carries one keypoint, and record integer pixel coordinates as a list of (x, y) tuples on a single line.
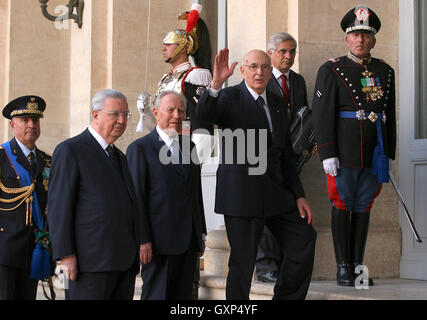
[(40, 163), (125, 171), (249, 102), (275, 86), (103, 158), (186, 159), (278, 114), (158, 144), (293, 89)]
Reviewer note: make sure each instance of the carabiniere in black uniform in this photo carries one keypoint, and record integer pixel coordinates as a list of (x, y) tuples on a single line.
[(355, 127), (343, 85)]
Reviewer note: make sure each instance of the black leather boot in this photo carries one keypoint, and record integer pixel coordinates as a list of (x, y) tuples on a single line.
[(341, 237), (359, 235)]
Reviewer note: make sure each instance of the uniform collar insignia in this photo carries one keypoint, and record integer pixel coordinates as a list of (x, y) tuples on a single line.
[(362, 61)]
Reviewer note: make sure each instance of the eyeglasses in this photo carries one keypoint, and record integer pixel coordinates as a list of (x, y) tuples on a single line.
[(115, 114), (254, 67), (282, 52)]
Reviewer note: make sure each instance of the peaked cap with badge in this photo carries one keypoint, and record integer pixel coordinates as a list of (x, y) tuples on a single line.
[(25, 107), (361, 19), (24, 239)]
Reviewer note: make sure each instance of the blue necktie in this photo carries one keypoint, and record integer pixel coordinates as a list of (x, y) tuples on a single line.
[(260, 103), (32, 160)]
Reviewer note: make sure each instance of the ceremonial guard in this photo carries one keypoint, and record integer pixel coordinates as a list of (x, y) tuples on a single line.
[(25, 251), (186, 77), (355, 127)]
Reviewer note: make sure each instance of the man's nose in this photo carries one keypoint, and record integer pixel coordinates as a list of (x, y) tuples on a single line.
[(122, 117)]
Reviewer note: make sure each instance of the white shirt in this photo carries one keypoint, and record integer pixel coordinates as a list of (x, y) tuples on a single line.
[(100, 139), (214, 93), (169, 141), (264, 96), (277, 74)]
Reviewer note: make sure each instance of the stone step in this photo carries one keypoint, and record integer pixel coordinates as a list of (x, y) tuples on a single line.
[(213, 288)]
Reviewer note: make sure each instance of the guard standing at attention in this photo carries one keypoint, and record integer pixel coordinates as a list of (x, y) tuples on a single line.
[(355, 126), (25, 254)]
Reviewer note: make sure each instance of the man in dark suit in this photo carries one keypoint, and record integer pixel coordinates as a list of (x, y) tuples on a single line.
[(92, 206), (282, 48), (23, 197), (250, 198), (168, 186)]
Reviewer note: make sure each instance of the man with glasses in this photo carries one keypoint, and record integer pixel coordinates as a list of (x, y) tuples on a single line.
[(282, 49), (291, 86), (168, 184), (249, 200), (93, 207)]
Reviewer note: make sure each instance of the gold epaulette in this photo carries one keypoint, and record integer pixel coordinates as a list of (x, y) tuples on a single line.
[(25, 194)]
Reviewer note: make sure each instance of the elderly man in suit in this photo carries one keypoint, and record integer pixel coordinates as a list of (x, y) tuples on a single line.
[(168, 186), (92, 206), (23, 197), (250, 199), (282, 49)]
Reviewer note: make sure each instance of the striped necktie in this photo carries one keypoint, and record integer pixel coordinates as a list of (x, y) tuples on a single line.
[(32, 160)]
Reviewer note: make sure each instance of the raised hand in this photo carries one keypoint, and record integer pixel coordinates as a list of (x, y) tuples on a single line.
[(222, 71)]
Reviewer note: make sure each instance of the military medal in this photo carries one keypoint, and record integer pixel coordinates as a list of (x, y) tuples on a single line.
[(371, 86)]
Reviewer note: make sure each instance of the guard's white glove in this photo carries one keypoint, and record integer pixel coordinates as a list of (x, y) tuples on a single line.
[(331, 166)]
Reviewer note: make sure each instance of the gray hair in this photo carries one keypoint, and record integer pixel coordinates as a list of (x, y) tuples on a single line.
[(168, 92), (279, 37), (99, 98)]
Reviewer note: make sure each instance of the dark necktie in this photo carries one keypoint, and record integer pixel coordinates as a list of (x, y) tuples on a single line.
[(285, 88), (177, 153), (113, 157), (260, 104), (32, 160)]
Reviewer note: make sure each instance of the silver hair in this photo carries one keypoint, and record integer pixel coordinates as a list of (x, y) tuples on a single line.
[(168, 92), (99, 98), (279, 37)]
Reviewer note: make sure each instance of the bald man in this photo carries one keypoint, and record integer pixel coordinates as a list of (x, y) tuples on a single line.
[(268, 192)]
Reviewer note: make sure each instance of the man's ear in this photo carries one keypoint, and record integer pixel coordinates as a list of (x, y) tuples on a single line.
[(95, 114), (242, 71), (374, 42), (156, 113)]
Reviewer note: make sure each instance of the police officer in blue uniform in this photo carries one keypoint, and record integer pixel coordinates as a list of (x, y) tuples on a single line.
[(24, 243), (355, 127)]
